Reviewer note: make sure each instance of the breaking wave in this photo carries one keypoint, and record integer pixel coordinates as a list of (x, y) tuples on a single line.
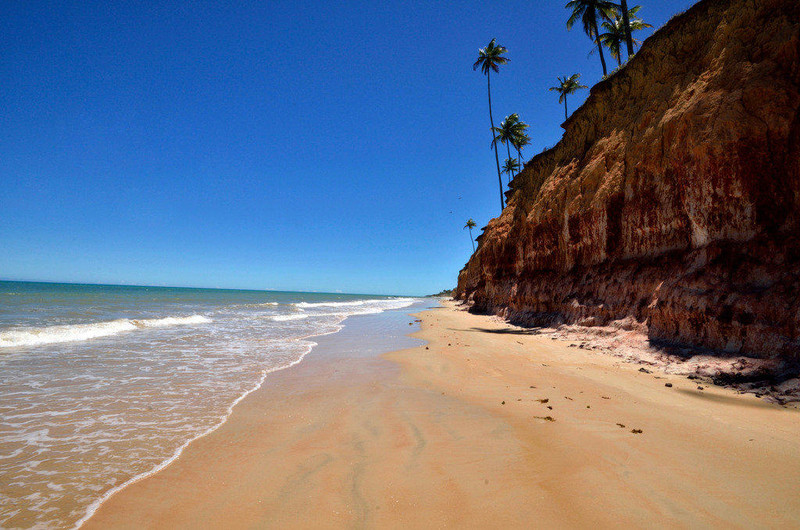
[(76, 332)]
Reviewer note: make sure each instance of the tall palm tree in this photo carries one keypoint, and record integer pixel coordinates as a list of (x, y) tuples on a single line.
[(590, 12), (617, 32), (489, 59), (510, 166), (471, 224), (566, 86)]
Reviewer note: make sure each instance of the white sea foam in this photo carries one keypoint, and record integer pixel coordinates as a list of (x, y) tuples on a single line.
[(77, 332), (342, 310), (172, 321), (284, 318), (329, 304), (383, 305)]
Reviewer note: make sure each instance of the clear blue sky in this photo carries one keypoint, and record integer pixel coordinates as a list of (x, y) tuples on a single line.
[(268, 145)]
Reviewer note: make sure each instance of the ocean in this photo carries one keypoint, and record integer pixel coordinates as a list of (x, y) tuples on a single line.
[(101, 385)]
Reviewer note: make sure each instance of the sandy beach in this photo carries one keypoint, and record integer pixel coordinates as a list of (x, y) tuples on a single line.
[(483, 425)]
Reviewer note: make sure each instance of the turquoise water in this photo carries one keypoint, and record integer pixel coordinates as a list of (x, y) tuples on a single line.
[(101, 384)]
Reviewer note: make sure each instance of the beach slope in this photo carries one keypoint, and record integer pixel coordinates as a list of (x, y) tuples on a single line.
[(485, 425)]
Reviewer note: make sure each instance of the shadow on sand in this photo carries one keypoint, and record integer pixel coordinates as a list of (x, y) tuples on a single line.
[(503, 331), (727, 400)]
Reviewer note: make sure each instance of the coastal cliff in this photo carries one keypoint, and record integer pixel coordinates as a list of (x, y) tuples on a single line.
[(671, 206)]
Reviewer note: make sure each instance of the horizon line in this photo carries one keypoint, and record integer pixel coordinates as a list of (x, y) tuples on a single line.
[(201, 288)]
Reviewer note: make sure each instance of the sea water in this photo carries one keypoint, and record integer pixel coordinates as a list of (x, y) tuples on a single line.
[(100, 385)]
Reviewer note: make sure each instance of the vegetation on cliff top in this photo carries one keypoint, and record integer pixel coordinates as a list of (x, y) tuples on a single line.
[(565, 87), (619, 23)]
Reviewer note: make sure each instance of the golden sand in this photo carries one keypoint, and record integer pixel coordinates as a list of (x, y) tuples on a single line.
[(487, 426)]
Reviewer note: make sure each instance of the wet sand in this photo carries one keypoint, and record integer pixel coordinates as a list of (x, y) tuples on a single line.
[(458, 433)]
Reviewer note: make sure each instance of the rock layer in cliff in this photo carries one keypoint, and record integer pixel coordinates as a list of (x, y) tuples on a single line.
[(671, 204)]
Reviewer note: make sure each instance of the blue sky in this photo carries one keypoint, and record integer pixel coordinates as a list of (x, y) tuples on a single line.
[(268, 145)]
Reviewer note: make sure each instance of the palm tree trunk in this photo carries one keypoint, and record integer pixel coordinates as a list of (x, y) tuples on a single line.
[(521, 163), (600, 46), (508, 150), (472, 239), (566, 116), (496, 156), (627, 22)]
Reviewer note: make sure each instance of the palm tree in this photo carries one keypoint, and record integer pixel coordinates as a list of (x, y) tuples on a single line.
[(589, 11), (566, 86), (519, 138), (489, 59), (471, 224), (617, 31), (520, 141), (509, 131), (510, 166), (505, 133)]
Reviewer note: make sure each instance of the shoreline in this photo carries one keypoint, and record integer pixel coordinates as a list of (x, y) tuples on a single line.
[(92, 508), (424, 436), (96, 505)]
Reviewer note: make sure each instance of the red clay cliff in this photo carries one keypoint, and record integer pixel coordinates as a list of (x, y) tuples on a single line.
[(672, 203)]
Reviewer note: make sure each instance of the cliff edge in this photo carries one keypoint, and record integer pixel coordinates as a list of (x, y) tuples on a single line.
[(671, 204)]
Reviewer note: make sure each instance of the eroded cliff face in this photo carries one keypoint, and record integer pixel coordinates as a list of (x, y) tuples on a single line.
[(672, 203)]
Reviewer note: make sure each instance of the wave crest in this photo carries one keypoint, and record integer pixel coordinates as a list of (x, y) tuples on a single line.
[(78, 332), (383, 304)]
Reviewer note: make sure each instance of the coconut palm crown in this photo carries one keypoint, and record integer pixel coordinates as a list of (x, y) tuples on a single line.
[(491, 57), (510, 167), (510, 131), (489, 60), (520, 141), (590, 13), (566, 86), (616, 32), (471, 224)]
